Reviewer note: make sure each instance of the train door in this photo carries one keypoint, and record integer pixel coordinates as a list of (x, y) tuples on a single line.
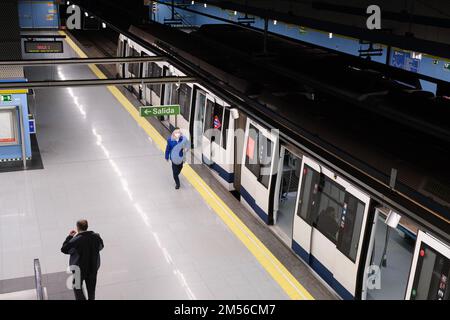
[(239, 125), (121, 53), (257, 169), (430, 270), (156, 89), (142, 87), (199, 122), (166, 96), (389, 255), (124, 66), (148, 88), (285, 196), (211, 130), (185, 101), (133, 69), (328, 226)]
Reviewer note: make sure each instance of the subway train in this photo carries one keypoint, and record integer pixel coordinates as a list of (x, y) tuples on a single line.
[(361, 242)]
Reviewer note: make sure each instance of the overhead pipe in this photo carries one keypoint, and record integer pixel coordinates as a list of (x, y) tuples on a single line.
[(93, 82), (51, 62)]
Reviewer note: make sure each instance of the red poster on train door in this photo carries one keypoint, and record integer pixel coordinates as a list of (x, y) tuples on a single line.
[(217, 123), (250, 148)]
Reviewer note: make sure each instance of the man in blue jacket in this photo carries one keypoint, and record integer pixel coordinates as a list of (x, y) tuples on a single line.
[(176, 144)]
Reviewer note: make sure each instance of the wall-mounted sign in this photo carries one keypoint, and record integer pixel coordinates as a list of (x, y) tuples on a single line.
[(404, 60), (32, 126), (5, 98), (158, 111), (44, 47)]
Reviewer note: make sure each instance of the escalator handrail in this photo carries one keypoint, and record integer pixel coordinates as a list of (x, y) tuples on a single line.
[(38, 280)]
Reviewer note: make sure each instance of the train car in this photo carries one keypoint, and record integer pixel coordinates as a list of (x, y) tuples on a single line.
[(358, 243), (206, 118)]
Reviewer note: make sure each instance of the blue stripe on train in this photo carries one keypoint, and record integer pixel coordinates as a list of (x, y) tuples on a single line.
[(225, 175), (322, 271), (259, 211)]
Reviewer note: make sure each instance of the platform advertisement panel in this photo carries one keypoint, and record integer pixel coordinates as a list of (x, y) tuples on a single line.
[(8, 127)]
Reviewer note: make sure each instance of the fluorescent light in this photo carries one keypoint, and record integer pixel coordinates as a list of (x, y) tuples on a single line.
[(86, 14), (73, 6), (68, 3), (104, 25), (192, 2), (235, 13), (330, 35), (205, 5), (274, 22)]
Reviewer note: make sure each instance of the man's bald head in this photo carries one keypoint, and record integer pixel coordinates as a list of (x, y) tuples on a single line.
[(82, 225)]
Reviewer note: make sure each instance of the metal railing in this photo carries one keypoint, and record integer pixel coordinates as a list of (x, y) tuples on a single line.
[(40, 290)]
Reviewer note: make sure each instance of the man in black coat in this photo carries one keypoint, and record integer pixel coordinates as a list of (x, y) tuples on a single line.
[(84, 248)]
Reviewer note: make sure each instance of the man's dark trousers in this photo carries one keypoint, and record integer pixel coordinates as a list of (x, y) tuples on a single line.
[(91, 282)]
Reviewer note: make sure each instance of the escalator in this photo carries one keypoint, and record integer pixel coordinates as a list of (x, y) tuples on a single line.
[(38, 293)]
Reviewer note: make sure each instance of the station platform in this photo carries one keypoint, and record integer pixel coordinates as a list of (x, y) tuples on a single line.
[(104, 163)]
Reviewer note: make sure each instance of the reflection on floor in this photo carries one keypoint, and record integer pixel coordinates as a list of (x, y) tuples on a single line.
[(394, 275)]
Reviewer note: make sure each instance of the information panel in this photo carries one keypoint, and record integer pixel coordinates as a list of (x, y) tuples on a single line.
[(403, 60), (8, 127), (44, 47)]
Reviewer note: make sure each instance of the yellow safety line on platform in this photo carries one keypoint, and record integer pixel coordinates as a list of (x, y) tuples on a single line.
[(270, 263), (16, 91)]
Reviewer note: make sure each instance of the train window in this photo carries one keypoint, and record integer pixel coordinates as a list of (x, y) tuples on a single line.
[(258, 157), (432, 274), (350, 226), (217, 117), (208, 115), (141, 65), (175, 94), (185, 100), (310, 183), (265, 159), (330, 204), (120, 49), (156, 73), (134, 67), (167, 89), (226, 121), (333, 211), (251, 155), (150, 67)]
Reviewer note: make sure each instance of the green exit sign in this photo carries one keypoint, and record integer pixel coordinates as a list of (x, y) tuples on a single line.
[(159, 111), (6, 98)]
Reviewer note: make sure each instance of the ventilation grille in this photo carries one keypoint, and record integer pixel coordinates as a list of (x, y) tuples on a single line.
[(8, 72)]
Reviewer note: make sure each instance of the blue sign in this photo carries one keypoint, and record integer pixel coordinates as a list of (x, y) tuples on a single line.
[(403, 60), (32, 125)]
